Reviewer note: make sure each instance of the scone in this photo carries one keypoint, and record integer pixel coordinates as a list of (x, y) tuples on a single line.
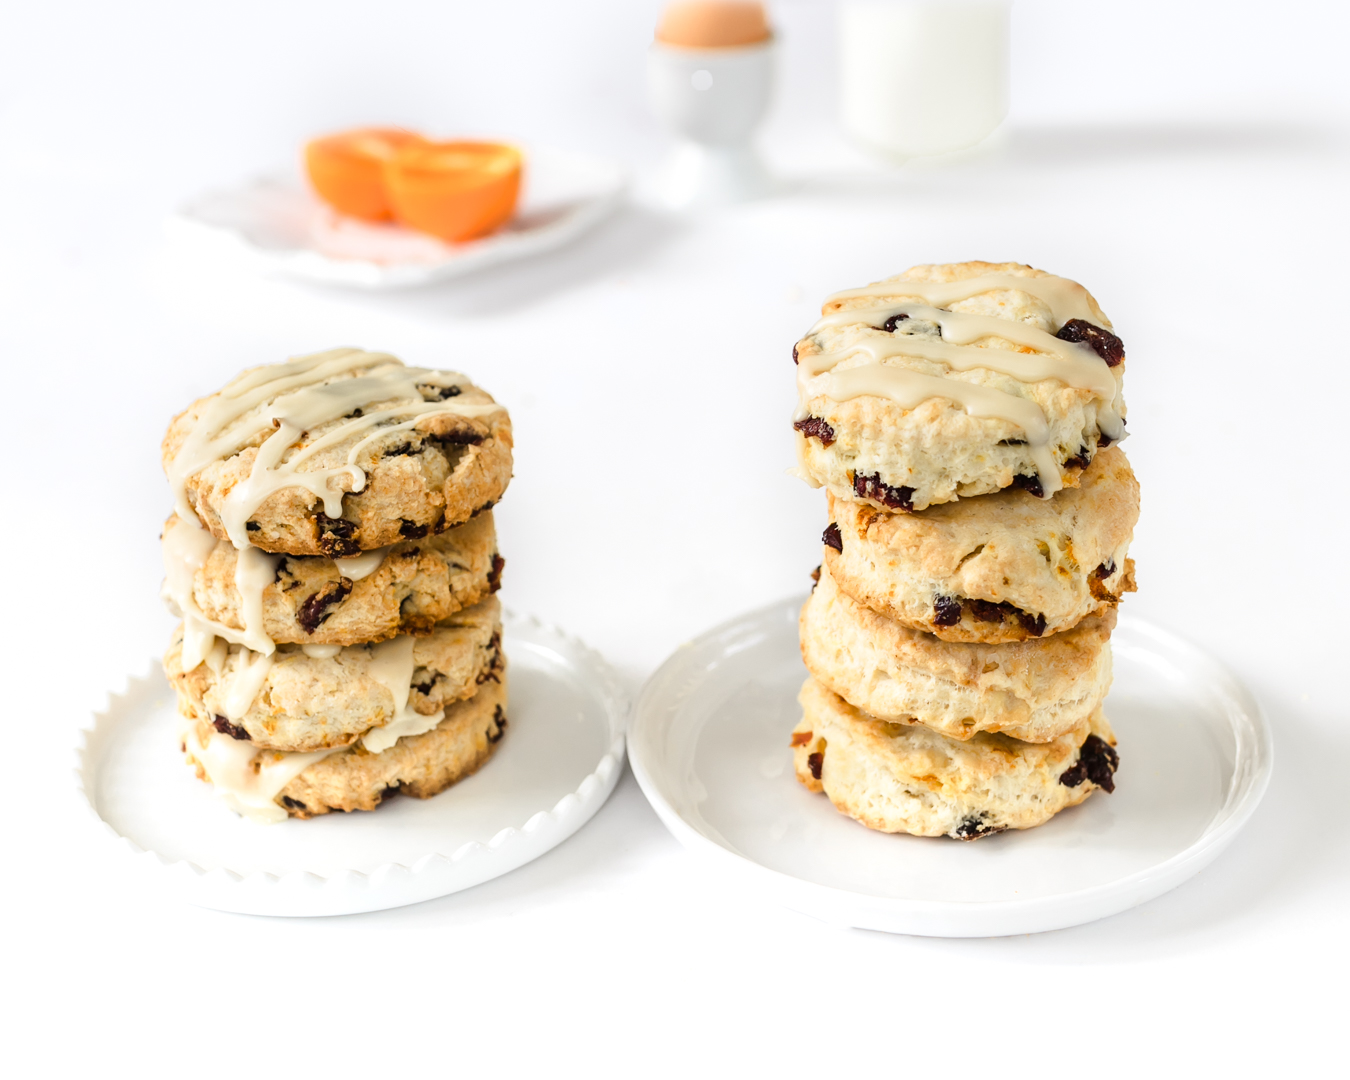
[(956, 380), (1003, 567), (898, 778), (1035, 690), (315, 600), (338, 453), (269, 786), (304, 698)]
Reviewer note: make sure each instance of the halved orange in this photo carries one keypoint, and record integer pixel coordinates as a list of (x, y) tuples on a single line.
[(454, 190), (346, 169)]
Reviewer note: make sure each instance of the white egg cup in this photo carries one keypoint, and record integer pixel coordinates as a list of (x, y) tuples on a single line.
[(713, 99)]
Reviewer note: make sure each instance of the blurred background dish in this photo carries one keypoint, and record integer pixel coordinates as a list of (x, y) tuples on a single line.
[(277, 224)]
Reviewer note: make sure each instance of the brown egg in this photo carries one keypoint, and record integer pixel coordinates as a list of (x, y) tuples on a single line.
[(713, 24)]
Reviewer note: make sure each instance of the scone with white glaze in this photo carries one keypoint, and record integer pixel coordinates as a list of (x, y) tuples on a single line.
[(1002, 567), (337, 453), (901, 778), (956, 380), (1034, 690), (303, 698), (265, 785), (314, 600)]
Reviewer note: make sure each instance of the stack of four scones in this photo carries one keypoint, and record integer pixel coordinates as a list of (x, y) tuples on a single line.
[(334, 560), (963, 420)]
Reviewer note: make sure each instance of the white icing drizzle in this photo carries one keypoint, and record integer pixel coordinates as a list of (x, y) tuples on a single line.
[(1071, 363), (363, 565), (410, 723), (249, 780), (1066, 299), (247, 681), (215, 659), (285, 401), (254, 570), (186, 548), (392, 666), (910, 389)]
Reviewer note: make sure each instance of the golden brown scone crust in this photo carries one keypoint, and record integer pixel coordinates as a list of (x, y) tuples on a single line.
[(938, 452), (418, 482), (418, 584), (1034, 690), (1049, 563), (909, 779), (417, 765), (308, 703)]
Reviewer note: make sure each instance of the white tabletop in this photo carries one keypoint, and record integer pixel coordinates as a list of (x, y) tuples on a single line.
[(1191, 170)]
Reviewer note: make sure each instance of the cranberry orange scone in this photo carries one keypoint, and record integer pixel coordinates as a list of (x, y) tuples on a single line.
[(270, 786), (909, 779), (315, 600), (337, 453), (956, 380), (1030, 690), (319, 697), (1003, 567)]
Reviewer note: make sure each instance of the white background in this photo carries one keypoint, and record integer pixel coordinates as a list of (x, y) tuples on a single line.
[(1188, 162)]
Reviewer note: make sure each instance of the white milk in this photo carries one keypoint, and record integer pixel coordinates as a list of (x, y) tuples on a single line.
[(923, 76)]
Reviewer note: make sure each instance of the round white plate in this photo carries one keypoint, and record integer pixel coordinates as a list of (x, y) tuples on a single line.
[(561, 757), (709, 745), (277, 224)]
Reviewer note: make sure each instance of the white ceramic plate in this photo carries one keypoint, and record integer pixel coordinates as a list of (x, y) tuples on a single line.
[(709, 745), (276, 224), (561, 757)]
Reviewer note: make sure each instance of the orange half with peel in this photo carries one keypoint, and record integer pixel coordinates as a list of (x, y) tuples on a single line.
[(454, 190), (347, 169)]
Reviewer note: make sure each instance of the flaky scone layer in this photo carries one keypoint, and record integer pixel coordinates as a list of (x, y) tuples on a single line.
[(1003, 567), (417, 765), (315, 703), (876, 450), (1033, 690), (417, 584), (418, 480), (908, 779)]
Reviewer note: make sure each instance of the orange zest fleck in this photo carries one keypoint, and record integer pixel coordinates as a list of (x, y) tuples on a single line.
[(347, 169), (453, 190)]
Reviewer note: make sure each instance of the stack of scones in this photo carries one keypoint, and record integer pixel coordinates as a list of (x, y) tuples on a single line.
[(963, 420), (333, 558)]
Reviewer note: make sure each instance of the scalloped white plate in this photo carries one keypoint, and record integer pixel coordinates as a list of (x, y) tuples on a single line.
[(561, 758), (709, 746), (275, 224)]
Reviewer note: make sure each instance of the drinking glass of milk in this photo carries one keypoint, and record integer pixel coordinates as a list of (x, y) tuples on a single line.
[(922, 77)]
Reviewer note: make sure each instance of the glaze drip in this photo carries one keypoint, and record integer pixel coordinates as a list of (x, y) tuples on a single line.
[(954, 347), (282, 403), (186, 548), (392, 666), (1066, 299), (363, 565), (248, 780)]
